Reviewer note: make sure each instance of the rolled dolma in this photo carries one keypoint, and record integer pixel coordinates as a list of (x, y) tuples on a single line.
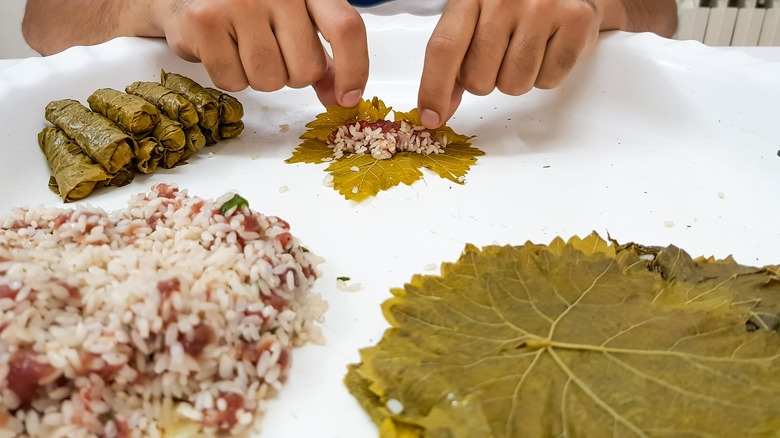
[(171, 103), (148, 153), (171, 158), (170, 134), (195, 142), (131, 113), (123, 177), (212, 136), (98, 137), (73, 174), (231, 130), (206, 106), (230, 109)]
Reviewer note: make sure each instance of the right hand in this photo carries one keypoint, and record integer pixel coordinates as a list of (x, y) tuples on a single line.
[(270, 44)]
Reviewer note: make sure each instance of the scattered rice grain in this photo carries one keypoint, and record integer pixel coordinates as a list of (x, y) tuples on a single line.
[(344, 287)]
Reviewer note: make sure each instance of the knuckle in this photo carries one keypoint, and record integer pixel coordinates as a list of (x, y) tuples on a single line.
[(312, 73), (546, 83), (441, 45), (267, 83), (349, 26), (232, 85), (566, 59), (513, 87), (203, 15), (183, 51), (475, 84), (581, 15), (225, 78), (547, 80)]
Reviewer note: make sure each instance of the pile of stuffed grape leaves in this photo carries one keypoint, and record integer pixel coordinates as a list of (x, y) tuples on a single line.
[(147, 126)]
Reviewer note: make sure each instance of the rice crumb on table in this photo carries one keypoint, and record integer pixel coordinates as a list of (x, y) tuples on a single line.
[(327, 181), (166, 317), (344, 287)]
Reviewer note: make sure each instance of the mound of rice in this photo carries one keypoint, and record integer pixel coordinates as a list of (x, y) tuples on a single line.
[(383, 139), (169, 318)]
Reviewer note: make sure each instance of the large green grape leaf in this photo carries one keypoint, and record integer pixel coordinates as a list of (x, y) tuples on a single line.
[(587, 338), (358, 177)]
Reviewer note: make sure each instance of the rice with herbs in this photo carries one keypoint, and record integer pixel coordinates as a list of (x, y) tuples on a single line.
[(169, 318)]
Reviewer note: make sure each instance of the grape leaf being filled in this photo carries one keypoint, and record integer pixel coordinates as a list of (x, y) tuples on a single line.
[(359, 176), (584, 338)]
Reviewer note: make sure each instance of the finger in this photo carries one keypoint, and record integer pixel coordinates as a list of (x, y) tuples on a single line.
[(579, 30), (299, 43), (342, 26), (523, 57), (483, 59), (182, 52), (261, 56), (325, 87), (219, 54), (204, 35), (455, 99), (443, 58)]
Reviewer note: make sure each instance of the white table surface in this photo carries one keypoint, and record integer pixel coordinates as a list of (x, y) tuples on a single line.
[(650, 140)]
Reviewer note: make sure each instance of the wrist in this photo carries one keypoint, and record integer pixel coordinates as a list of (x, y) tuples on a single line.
[(142, 18)]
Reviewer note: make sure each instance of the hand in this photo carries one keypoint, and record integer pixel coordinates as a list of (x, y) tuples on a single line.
[(511, 45), (269, 44)]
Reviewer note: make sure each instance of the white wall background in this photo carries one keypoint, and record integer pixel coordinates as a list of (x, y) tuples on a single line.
[(12, 43)]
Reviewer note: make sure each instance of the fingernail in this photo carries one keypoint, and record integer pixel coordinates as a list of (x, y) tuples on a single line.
[(351, 98), (430, 119)]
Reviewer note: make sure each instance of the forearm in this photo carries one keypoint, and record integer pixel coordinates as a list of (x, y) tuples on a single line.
[(51, 26), (657, 16)]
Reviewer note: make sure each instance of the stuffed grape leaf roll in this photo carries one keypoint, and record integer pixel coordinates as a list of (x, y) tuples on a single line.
[(230, 109), (73, 174), (98, 137), (170, 134), (130, 112), (148, 153), (195, 142), (206, 106), (123, 177), (231, 130), (171, 103), (170, 159)]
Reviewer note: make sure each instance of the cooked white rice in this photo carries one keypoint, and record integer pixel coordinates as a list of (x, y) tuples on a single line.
[(384, 139), (164, 319)]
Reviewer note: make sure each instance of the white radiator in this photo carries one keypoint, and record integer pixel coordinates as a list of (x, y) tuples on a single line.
[(730, 22)]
